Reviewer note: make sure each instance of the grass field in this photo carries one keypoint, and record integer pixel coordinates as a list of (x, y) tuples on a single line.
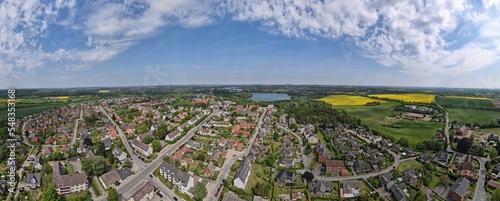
[(422, 98), (257, 175), (405, 165), (336, 100), (375, 118), (464, 102), (469, 97), (24, 111), (471, 116)]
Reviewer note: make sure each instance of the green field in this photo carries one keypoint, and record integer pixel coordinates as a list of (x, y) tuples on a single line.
[(24, 111), (405, 165), (471, 116), (375, 118), (464, 102)]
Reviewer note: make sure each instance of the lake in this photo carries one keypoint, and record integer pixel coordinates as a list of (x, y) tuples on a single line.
[(269, 97)]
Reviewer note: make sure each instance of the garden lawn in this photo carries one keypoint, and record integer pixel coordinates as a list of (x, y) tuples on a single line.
[(471, 116), (254, 179), (405, 165)]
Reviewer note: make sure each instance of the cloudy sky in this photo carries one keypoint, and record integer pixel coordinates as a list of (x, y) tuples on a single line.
[(70, 43)]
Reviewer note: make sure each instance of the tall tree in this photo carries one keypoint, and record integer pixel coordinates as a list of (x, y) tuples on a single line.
[(156, 144), (50, 194), (112, 195), (200, 191), (464, 145), (99, 165)]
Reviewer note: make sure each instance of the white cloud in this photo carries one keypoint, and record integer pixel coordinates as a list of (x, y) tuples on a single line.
[(413, 35)]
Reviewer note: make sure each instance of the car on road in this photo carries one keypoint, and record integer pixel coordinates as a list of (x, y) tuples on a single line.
[(151, 175), (175, 199), (216, 194), (234, 155)]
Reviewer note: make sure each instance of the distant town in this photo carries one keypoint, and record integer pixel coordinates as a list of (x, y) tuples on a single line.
[(232, 143)]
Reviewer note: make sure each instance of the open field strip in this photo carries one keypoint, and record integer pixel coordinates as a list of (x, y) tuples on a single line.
[(422, 98), (337, 100), (471, 116), (469, 97)]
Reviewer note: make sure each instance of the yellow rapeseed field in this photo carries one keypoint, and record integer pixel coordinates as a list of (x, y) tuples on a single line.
[(422, 98), (469, 97), (62, 97), (4, 100), (347, 100)]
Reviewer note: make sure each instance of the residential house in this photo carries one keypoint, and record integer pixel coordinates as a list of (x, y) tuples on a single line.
[(143, 136), (142, 148), (182, 180), (209, 170), (385, 178), (462, 130), (287, 162), (409, 175), (350, 189), (493, 137), (173, 135), (119, 154), (124, 173), (459, 189), (312, 139), (68, 183), (145, 193), (107, 143), (399, 191), (285, 176), (110, 178), (361, 166), (441, 156), (194, 145), (243, 174), (425, 157), (334, 167), (230, 196), (320, 187), (33, 180)]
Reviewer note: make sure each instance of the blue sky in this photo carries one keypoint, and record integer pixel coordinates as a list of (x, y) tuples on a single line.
[(69, 43)]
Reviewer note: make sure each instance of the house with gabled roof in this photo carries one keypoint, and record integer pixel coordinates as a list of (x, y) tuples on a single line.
[(243, 174), (142, 148)]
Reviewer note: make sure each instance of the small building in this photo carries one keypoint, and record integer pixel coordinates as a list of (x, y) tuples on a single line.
[(142, 148), (33, 180), (350, 189), (145, 193), (459, 189)]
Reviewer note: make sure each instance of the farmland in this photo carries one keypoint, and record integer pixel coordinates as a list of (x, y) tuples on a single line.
[(469, 97), (336, 100), (421, 98), (464, 102), (24, 111), (471, 116), (376, 117)]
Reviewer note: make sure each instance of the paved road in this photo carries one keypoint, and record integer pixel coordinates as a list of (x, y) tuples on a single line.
[(127, 187), (366, 176), (226, 168), (131, 152), (75, 129), (480, 193), (306, 161)]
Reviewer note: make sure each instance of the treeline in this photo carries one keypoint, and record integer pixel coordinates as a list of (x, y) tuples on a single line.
[(312, 112)]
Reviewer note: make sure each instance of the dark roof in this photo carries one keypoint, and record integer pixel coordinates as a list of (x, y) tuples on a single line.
[(460, 186), (245, 167), (384, 178), (398, 191), (124, 173), (284, 175), (141, 145), (34, 178)]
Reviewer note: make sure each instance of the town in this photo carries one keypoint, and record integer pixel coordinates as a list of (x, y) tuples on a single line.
[(208, 147)]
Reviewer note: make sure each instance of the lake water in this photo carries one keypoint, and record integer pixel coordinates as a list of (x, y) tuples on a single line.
[(269, 97)]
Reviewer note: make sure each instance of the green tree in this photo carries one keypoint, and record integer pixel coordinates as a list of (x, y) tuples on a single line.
[(480, 151), (404, 142), (261, 189), (110, 158), (200, 191), (445, 180), (147, 139), (99, 165), (127, 163), (50, 194), (156, 145), (496, 194), (493, 153), (112, 195)]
